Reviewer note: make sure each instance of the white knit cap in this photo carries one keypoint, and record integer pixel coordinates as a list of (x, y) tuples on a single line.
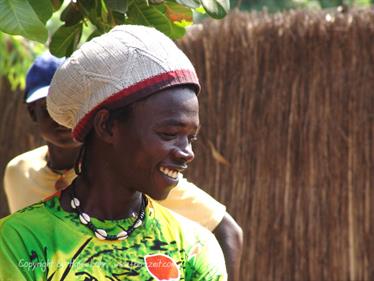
[(118, 68)]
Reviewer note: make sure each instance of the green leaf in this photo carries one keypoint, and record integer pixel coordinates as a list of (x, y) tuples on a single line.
[(65, 40), (189, 3), (91, 9), (200, 10), (43, 8), (17, 54), (57, 4), (71, 15), (17, 17), (183, 23), (94, 34), (156, 15), (120, 6), (177, 12), (216, 8), (88, 4), (102, 10), (119, 18)]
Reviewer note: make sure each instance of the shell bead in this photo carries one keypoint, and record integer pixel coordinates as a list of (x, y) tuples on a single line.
[(84, 218), (101, 234), (138, 223), (122, 235), (74, 203)]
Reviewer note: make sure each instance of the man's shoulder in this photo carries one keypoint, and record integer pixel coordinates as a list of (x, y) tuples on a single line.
[(23, 219), (191, 229), (29, 157)]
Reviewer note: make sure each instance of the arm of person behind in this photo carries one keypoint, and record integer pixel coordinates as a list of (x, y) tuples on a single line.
[(193, 203), (230, 237)]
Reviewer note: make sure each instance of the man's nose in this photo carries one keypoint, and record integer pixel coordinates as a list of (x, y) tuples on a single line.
[(184, 152)]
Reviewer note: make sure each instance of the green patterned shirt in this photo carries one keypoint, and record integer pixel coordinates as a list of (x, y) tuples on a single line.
[(44, 242)]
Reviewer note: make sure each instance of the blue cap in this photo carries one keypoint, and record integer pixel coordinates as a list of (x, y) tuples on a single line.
[(40, 76)]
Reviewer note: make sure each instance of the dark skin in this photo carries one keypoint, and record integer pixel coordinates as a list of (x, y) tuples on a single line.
[(230, 237), (127, 157), (62, 149), (62, 152)]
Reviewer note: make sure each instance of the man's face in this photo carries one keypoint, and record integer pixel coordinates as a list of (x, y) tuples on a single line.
[(50, 131), (154, 145)]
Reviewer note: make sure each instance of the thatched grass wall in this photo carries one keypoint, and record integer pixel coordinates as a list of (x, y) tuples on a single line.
[(288, 100), (17, 132)]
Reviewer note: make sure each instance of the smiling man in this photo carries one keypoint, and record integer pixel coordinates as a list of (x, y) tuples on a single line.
[(130, 97), (37, 174), (150, 156)]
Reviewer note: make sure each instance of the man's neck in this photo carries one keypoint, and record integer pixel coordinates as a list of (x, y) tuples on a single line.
[(61, 158), (100, 188), (100, 199)]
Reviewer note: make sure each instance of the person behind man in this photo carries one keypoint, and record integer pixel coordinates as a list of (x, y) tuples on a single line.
[(34, 175)]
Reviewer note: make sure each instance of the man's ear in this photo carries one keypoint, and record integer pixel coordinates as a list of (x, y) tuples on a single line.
[(102, 126), (31, 110)]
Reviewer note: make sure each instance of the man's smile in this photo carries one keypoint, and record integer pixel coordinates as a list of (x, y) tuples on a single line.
[(174, 174)]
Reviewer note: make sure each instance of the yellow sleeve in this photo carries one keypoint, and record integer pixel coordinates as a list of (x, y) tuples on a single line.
[(195, 204), (28, 180), (20, 190), (12, 189)]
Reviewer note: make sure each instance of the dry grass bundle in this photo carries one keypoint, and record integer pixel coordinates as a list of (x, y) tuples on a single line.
[(17, 132), (288, 101)]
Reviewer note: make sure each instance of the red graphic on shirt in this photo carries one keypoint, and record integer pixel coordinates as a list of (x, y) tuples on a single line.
[(162, 267)]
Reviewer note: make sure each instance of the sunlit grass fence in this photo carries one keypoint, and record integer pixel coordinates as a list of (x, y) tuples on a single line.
[(17, 132), (287, 109), (288, 100)]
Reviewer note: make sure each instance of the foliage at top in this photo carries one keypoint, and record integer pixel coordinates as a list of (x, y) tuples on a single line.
[(16, 56), (81, 20), (28, 18), (282, 5)]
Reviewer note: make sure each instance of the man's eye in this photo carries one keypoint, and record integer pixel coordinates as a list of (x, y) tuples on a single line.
[(167, 136)]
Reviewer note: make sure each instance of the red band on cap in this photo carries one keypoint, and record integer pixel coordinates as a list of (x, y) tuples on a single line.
[(136, 92)]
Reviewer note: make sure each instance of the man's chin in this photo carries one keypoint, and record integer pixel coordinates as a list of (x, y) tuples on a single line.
[(163, 194), (67, 143)]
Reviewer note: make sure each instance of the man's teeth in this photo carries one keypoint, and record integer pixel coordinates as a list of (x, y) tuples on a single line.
[(170, 173)]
